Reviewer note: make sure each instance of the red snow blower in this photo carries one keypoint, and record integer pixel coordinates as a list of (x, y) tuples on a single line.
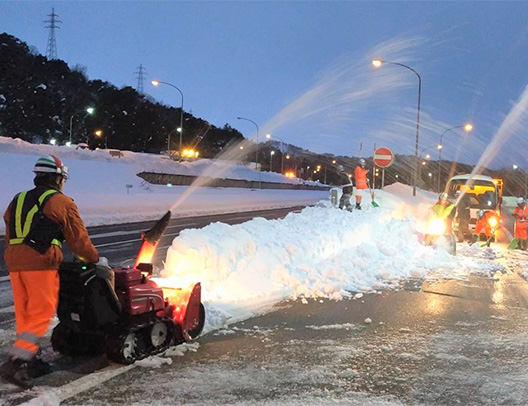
[(128, 321)]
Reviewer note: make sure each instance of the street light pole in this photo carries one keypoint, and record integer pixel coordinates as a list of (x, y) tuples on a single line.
[(379, 62), (89, 110), (467, 128), (271, 160), (256, 155), (156, 83), (281, 149)]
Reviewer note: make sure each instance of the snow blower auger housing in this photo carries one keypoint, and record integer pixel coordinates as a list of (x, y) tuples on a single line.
[(128, 321), (438, 236)]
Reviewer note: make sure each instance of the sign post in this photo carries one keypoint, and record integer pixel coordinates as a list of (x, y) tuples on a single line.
[(383, 158)]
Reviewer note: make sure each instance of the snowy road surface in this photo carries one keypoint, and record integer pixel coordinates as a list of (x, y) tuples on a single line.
[(453, 342), (431, 343)]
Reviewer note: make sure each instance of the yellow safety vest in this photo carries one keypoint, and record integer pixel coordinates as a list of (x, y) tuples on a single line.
[(23, 212)]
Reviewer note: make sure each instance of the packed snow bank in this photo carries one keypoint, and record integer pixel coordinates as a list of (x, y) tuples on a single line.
[(322, 252)]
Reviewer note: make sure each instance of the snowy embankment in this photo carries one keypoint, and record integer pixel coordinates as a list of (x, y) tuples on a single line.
[(107, 190), (322, 252)]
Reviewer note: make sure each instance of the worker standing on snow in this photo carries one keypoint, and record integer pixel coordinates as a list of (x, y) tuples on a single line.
[(347, 188), (445, 210), (483, 226), (463, 215), (360, 175), (37, 221), (521, 222)]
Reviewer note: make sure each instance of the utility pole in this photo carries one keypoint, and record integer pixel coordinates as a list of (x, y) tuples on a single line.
[(140, 78), (51, 49)]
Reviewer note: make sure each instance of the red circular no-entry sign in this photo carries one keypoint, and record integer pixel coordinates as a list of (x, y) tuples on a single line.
[(383, 157)]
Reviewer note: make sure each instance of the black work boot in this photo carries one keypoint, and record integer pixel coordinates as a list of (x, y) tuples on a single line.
[(15, 370), (358, 206), (37, 367)]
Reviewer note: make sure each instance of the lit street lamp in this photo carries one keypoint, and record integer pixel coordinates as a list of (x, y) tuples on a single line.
[(271, 159), (268, 136), (427, 156), (89, 110), (99, 133), (180, 129), (467, 128), (378, 63), (515, 167)]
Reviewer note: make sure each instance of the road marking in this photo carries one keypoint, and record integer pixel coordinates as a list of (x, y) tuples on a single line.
[(139, 232), (83, 384), (116, 243)]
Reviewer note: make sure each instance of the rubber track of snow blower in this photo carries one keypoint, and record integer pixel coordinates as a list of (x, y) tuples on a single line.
[(114, 345)]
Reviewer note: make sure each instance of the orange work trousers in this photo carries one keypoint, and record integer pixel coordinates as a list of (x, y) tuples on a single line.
[(35, 296), (520, 230)]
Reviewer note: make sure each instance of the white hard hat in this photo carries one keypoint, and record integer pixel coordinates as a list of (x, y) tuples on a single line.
[(443, 196), (340, 168), (362, 161), (50, 164), (520, 200)]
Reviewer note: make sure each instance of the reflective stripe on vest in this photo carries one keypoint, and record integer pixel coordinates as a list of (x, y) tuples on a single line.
[(22, 230)]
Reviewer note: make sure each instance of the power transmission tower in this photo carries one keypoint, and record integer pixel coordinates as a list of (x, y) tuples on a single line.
[(51, 49), (140, 78)]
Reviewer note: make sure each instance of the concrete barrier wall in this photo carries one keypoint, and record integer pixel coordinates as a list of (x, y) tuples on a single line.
[(186, 180)]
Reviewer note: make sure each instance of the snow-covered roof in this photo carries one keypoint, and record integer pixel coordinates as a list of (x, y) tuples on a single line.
[(473, 177)]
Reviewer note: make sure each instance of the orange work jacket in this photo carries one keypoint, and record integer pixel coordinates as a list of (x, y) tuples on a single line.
[(360, 175), (62, 210)]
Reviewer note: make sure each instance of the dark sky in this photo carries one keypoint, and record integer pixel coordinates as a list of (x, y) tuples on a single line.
[(301, 69)]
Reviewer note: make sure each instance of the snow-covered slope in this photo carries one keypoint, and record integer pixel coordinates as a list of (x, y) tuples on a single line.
[(98, 184)]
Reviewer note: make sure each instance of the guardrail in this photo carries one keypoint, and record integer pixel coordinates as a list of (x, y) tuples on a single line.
[(186, 180)]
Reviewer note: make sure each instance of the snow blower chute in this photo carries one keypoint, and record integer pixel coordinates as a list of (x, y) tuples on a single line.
[(131, 320)]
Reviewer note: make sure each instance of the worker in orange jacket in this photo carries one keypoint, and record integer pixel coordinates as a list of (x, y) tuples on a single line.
[(37, 221), (360, 175), (484, 225), (521, 222)]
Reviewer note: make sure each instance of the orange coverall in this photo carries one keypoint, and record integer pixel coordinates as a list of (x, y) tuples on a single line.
[(34, 276), (360, 175), (521, 222), (483, 226)]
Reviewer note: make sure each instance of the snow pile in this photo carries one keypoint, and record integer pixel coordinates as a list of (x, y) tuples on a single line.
[(322, 252)]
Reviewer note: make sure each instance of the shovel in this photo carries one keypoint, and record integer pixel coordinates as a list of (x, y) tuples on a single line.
[(515, 242), (374, 204)]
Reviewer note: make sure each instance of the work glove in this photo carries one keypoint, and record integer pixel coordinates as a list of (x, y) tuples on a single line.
[(104, 271), (103, 263), (102, 268)]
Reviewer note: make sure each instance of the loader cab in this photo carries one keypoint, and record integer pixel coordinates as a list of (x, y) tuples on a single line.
[(482, 192)]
